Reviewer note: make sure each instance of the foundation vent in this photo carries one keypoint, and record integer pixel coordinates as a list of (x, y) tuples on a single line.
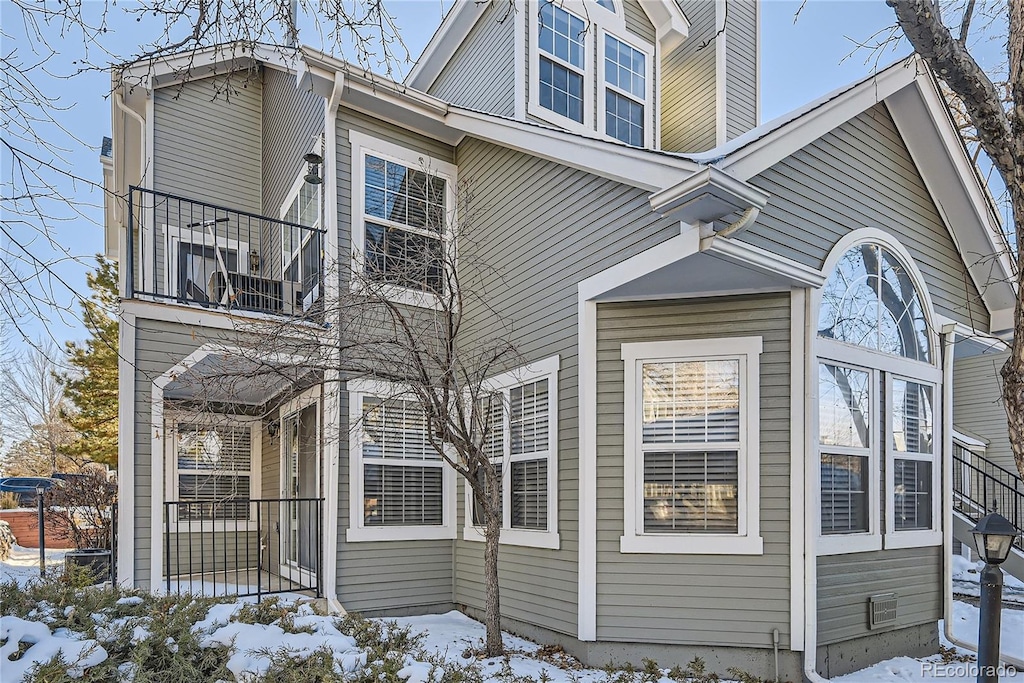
[(882, 610)]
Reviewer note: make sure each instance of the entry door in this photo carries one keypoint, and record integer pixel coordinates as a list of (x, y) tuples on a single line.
[(300, 528)]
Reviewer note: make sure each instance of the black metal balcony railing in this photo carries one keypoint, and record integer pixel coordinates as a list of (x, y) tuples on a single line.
[(980, 486), (214, 257), (243, 546)]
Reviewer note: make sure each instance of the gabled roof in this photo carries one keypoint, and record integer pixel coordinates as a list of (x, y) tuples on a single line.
[(922, 117), (668, 19)]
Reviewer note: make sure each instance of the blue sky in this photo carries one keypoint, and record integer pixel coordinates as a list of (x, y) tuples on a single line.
[(801, 60)]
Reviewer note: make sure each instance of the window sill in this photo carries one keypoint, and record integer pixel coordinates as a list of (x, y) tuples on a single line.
[(559, 121), (692, 544), (402, 295), (912, 539), (521, 537), (842, 544), (399, 533)]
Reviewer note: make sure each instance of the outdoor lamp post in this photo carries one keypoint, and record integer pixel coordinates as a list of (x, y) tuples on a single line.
[(40, 490), (993, 537)]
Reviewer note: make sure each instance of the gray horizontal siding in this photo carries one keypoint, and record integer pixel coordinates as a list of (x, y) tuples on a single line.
[(695, 599), (159, 346), (741, 67), (292, 120), (688, 85), (637, 21), (532, 287), (385, 575), (481, 73), (861, 175), (845, 582), (978, 404), (207, 144)]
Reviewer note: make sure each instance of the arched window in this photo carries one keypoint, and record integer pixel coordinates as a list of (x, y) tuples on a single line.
[(878, 389), (870, 300)]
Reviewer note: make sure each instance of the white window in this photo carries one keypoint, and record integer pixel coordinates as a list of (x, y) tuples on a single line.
[(691, 447), (402, 206), (214, 472), (301, 246), (400, 487), (878, 388), (581, 57), (522, 439), (626, 82)]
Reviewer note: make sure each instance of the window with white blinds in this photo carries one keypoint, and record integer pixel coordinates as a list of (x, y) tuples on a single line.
[(403, 482), (691, 440), (520, 437), (213, 471)]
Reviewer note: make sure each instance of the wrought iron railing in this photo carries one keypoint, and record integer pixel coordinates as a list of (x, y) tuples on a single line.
[(211, 256), (243, 547), (980, 486)]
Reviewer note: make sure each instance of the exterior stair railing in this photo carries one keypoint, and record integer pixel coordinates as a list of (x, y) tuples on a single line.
[(980, 486)]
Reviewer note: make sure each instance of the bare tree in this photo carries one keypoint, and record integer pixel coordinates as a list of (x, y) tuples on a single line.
[(997, 117), (33, 407)]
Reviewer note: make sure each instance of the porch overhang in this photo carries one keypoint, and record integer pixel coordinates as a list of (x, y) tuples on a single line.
[(224, 378)]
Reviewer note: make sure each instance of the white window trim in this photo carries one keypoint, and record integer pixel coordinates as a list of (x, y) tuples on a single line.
[(293, 193), (363, 145), (356, 531), (838, 544), (534, 538), (915, 538), (747, 541), (576, 8), (171, 421), (176, 237), (648, 52)]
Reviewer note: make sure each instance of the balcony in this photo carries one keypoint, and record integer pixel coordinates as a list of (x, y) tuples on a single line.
[(189, 252)]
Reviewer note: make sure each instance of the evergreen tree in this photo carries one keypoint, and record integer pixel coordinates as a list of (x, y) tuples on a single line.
[(92, 390)]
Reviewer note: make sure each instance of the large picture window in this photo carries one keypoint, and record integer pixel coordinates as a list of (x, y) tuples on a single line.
[(692, 447), (877, 387), (403, 203), (521, 437), (401, 485)]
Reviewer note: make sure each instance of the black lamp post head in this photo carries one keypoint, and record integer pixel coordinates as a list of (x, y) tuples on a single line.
[(313, 161), (993, 537)]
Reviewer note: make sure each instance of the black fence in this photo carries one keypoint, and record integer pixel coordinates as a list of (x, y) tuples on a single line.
[(214, 257), (981, 486), (243, 547)]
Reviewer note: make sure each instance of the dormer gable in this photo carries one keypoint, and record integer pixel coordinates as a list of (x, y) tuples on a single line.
[(632, 71)]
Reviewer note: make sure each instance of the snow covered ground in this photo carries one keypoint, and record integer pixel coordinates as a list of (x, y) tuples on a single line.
[(449, 639), (965, 581)]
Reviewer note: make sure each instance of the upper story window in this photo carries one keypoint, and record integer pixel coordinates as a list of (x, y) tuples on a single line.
[(625, 75), (302, 247), (562, 65), (403, 203), (588, 73), (878, 389)]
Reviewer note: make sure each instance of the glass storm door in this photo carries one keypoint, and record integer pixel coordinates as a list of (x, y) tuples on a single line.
[(300, 532)]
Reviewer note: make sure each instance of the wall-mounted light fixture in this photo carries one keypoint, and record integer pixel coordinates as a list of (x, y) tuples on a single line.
[(313, 161), (273, 427)]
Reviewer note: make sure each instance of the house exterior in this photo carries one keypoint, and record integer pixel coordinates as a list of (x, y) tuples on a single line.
[(739, 339)]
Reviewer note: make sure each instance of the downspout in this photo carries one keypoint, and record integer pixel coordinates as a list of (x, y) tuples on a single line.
[(118, 206), (948, 339), (811, 509), (332, 460)]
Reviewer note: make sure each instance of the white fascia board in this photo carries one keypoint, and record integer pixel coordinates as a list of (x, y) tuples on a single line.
[(708, 185), (764, 261), (966, 208), (627, 165), (457, 24), (205, 62), (753, 158)]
